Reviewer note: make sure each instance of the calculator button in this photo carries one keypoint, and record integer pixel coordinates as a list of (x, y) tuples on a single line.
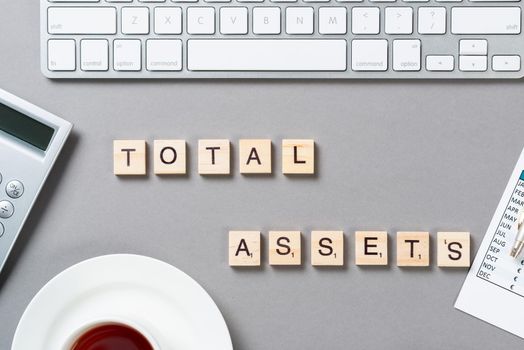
[(6, 209), (14, 189), (2, 229)]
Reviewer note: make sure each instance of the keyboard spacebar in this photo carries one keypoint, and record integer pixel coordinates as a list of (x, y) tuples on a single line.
[(266, 55)]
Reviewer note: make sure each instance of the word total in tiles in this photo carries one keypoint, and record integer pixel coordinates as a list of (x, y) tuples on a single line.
[(214, 157), (371, 248)]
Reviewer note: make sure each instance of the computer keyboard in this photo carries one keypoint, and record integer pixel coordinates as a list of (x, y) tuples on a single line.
[(281, 39)]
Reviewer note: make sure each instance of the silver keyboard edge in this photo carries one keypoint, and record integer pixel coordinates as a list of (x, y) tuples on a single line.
[(447, 44)]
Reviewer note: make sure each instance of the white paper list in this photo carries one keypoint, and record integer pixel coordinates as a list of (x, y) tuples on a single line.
[(494, 288), (497, 266)]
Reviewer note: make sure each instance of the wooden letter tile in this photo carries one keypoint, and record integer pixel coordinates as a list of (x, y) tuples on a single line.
[(453, 249), (413, 248), (213, 157), (129, 157), (285, 248), (327, 248), (255, 156), (298, 156), (371, 248), (170, 157), (244, 248)]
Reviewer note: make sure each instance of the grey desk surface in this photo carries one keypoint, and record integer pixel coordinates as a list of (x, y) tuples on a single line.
[(392, 155)]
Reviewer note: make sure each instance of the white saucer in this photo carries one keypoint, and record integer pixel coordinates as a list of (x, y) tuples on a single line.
[(173, 308)]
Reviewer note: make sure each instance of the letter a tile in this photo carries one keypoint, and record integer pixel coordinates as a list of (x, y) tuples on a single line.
[(244, 248), (255, 156)]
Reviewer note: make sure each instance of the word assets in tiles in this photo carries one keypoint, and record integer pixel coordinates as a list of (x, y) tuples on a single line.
[(327, 248), (214, 157)]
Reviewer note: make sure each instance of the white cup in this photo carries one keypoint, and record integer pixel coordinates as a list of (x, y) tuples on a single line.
[(87, 326)]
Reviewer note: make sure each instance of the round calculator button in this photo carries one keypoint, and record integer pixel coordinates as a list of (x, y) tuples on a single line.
[(14, 189), (6, 209), (2, 229)]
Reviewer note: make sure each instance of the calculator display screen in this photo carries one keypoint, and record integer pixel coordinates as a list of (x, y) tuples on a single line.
[(25, 128)]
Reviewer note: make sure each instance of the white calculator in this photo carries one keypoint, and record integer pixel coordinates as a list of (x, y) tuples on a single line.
[(30, 141)]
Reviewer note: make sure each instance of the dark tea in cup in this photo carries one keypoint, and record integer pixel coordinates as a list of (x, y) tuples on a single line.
[(111, 336)]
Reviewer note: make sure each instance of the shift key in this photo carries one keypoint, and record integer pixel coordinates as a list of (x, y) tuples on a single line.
[(485, 20), (81, 20)]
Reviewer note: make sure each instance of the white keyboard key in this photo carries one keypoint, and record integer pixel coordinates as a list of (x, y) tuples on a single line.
[(284, 0), (399, 20), (61, 55), (432, 20), (440, 63), (369, 55), (382, 0), (81, 20), (73, 0), (350, 0), (217, 0), (415, 0), (366, 20), (164, 55), (494, 0), (406, 55), (184, 0), (449, 0), (168, 20), (316, 0), (485, 20), (473, 47), (135, 20), (250, 0), (473, 63), (233, 20), (267, 55), (152, 0), (201, 20), (94, 55), (506, 63), (127, 55), (119, 0), (266, 20), (299, 20), (332, 20)]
